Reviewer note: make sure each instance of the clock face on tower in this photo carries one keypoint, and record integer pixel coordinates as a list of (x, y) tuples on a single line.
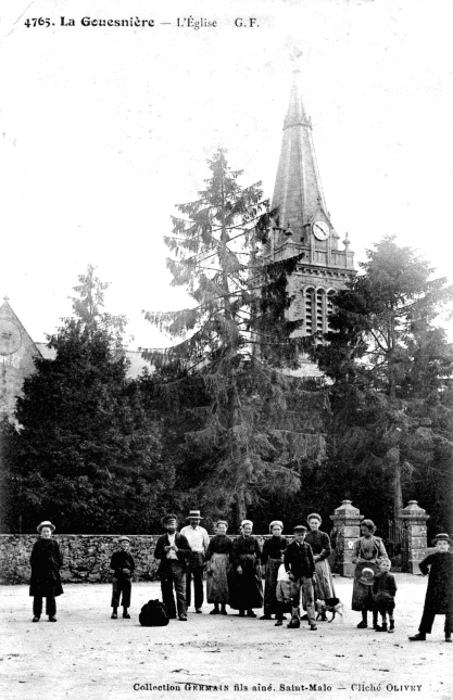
[(10, 337), (321, 230)]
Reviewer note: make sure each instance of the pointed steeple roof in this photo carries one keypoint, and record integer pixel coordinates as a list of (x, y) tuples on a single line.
[(298, 190)]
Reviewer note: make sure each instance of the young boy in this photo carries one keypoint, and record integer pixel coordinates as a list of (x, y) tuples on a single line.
[(384, 590), (46, 562), (123, 566), (439, 594), (300, 564)]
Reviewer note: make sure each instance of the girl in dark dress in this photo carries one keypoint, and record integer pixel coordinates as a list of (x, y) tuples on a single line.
[(246, 587), (271, 558), (46, 562), (320, 543), (218, 562)]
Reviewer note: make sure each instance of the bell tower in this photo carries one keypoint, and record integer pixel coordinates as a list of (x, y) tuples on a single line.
[(302, 225)]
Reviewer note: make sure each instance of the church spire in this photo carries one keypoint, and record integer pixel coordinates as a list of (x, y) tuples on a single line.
[(298, 190)]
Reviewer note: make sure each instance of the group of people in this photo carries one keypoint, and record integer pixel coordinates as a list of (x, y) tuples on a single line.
[(235, 570)]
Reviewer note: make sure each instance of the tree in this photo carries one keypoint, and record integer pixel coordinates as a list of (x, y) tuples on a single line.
[(88, 308), (87, 454), (231, 333), (389, 363)]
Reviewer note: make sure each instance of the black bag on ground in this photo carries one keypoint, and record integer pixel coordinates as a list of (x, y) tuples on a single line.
[(153, 614)]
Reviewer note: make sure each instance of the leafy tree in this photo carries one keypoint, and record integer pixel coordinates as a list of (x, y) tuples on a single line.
[(229, 452), (389, 363), (87, 453)]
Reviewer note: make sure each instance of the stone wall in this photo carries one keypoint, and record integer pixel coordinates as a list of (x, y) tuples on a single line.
[(86, 557)]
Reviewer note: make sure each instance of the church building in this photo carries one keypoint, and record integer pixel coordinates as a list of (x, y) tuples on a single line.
[(303, 225)]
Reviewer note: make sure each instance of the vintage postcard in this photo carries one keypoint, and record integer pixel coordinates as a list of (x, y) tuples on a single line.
[(110, 111)]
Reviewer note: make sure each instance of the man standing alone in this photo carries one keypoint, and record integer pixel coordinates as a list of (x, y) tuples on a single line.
[(198, 540)]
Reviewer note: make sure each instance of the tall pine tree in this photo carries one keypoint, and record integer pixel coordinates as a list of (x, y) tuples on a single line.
[(234, 338)]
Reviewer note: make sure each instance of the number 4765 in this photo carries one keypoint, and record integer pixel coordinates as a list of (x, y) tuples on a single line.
[(37, 22)]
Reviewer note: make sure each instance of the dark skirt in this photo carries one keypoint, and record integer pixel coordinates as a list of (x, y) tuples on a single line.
[(246, 589), (270, 588)]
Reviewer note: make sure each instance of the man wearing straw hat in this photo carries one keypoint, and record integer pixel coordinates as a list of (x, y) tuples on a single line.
[(46, 562), (198, 540)]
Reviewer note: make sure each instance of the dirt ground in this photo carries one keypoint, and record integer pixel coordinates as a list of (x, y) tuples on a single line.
[(86, 655)]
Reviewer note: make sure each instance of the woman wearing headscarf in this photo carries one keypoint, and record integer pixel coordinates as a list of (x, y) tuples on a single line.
[(367, 551), (218, 561), (320, 543), (246, 589), (271, 558)]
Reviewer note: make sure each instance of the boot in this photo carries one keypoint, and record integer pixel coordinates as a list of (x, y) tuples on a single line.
[(364, 623), (126, 614), (392, 626), (114, 614), (375, 622), (382, 628), (419, 637), (223, 610)]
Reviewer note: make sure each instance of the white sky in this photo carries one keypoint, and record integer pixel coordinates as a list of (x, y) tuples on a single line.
[(102, 131)]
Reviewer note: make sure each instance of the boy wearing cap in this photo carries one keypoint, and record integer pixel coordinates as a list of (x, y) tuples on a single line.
[(46, 562), (123, 566), (172, 551), (198, 540), (439, 594), (300, 564)]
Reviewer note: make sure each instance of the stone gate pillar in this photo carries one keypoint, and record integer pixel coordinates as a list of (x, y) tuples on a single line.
[(413, 537), (346, 521)]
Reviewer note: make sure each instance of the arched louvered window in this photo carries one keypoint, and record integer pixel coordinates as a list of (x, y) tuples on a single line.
[(330, 305), (309, 296), (320, 313)]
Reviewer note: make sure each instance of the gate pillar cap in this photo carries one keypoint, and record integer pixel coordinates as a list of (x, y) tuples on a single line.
[(347, 509), (413, 511)]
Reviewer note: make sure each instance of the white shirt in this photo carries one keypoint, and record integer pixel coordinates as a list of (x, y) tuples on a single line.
[(171, 554), (197, 538)]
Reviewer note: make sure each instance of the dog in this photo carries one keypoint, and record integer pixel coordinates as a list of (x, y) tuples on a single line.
[(330, 605)]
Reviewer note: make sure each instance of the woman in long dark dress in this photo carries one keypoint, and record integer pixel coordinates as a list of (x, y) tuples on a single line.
[(366, 552), (271, 558), (320, 543), (246, 587), (46, 562), (218, 562)]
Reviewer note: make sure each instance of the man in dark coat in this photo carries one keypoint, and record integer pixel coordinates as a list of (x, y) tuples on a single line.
[(172, 551), (46, 562), (439, 594), (300, 564)]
